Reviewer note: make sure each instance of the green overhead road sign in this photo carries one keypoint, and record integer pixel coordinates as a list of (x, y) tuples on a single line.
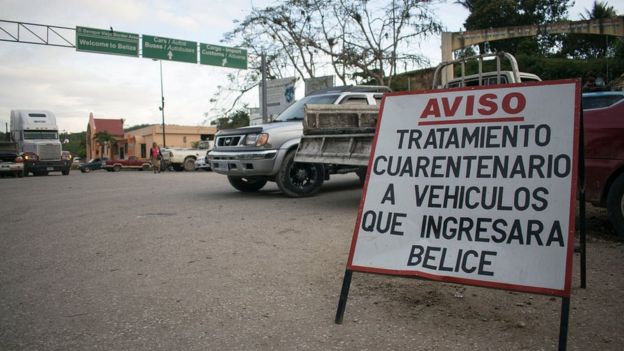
[(169, 49), (107, 41), (216, 55)]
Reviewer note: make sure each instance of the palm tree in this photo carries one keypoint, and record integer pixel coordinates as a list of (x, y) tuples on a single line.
[(586, 46), (103, 138), (600, 10)]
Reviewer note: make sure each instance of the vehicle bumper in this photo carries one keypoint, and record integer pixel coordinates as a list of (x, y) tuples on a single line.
[(244, 163), (8, 167), (47, 166)]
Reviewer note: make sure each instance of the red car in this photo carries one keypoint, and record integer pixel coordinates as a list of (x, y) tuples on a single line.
[(132, 163), (603, 114)]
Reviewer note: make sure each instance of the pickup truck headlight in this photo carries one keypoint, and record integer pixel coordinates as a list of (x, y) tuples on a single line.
[(256, 139)]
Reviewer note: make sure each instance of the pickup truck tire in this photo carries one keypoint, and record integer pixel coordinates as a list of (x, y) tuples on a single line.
[(615, 205), (189, 164), (145, 167), (85, 170), (361, 173), (116, 168), (298, 179), (247, 184)]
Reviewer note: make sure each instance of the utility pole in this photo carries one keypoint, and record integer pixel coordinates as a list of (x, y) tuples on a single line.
[(263, 68), (162, 103)]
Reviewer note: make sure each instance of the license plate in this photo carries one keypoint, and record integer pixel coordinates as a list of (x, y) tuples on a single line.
[(50, 168)]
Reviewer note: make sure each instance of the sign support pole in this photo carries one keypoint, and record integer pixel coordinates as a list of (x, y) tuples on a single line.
[(162, 104), (344, 294), (563, 326), (582, 219), (263, 68)]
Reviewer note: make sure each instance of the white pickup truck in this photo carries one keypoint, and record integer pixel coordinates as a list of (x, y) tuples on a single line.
[(184, 159), (343, 135)]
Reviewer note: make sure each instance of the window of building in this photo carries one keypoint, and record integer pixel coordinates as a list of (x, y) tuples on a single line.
[(143, 151)]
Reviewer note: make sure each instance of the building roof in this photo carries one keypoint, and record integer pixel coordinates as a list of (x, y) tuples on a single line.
[(112, 126)]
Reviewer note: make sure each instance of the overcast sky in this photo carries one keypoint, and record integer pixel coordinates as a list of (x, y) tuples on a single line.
[(72, 84)]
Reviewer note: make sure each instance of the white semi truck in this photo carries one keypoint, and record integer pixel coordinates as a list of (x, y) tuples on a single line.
[(37, 138)]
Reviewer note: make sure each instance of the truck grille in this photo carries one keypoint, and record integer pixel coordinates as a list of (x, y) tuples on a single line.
[(229, 140), (49, 151)]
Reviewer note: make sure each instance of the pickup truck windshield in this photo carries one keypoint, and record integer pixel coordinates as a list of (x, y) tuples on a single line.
[(38, 134), (294, 112)]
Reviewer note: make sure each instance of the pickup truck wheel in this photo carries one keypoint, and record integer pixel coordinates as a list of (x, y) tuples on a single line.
[(361, 173), (189, 164), (615, 205), (116, 168), (298, 179), (145, 167), (85, 170), (247, 184)]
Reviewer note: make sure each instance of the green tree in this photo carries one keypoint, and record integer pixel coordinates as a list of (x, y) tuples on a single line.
[(76, 145), (236, 119), (585, 46), (486, 14), (103, 138)]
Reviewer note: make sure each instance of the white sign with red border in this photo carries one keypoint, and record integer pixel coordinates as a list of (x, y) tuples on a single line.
[(474, 186)]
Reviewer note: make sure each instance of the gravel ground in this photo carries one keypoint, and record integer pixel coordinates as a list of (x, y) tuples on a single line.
[(181, 261)]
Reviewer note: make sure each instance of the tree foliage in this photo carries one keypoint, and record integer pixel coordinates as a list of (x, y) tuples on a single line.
[(237, 119), (103, 138), (343, 37), (585, 46), (356, 40), (486, 14), (77, 143)]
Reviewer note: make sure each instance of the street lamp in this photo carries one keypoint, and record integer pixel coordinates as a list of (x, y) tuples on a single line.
[(162, 104)]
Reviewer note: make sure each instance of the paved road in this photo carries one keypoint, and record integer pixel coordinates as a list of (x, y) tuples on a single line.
[(134, 260), (181, 261)]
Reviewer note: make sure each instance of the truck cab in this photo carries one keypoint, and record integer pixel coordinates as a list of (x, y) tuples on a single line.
[(37, 138)]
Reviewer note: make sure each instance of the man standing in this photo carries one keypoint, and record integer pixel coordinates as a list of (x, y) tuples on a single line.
[(155, 156)]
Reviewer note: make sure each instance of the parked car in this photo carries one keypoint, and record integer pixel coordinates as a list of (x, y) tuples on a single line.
[(94, 164), (131, 162), (11, 164), (202, 164), (76, 161), (603, 114), (182, 159)]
